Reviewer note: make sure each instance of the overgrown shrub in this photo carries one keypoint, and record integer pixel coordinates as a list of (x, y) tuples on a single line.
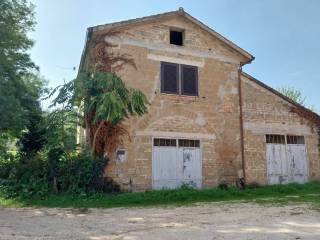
[(25, 180), (80, 174), (7, 162), (71, 174)]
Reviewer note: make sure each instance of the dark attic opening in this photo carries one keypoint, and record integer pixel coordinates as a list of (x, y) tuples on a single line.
[(176, 37)]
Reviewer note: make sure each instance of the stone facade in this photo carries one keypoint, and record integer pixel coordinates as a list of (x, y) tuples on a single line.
[(213, 117), (266, 113)]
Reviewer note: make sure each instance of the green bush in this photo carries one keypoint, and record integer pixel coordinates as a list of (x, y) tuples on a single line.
[(72, 174), (25, 180), (7, 162), (81, 174)]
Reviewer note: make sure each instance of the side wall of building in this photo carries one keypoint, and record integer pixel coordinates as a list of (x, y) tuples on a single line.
[(266, 113)]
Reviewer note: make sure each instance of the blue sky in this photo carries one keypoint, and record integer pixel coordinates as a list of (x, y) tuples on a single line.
[(283, 35)]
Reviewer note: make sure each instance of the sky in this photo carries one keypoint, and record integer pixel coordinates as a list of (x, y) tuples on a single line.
[(283, 35)]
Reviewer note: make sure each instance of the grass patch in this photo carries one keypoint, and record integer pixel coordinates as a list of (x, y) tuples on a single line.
[(282, 194)]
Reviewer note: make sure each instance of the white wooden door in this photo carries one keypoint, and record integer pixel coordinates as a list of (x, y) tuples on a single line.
[(189, 171), (287, 159), (176, 162), (276, 163), (164, 167), (298, 163)]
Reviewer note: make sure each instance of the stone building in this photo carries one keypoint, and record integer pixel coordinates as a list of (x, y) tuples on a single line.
[(208, 122)]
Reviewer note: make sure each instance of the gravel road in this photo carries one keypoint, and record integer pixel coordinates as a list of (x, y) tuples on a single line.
[(214, 221)]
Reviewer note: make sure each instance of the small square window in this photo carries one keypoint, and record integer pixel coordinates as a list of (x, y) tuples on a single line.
[(162, 142), (176, 37), (276, 139), (189, 143), (295, 139), (121, 155)]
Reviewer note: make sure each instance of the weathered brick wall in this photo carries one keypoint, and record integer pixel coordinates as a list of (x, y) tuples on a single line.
[(213, 117), (266, 113)]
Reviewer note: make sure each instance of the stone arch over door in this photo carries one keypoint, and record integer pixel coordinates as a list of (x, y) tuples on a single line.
[(180, 119), (176, 123)]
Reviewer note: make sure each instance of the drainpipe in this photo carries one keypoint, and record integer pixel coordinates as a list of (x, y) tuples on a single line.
[(241, 124)]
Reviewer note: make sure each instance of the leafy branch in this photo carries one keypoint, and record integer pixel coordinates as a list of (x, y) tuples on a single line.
[(103, 98)]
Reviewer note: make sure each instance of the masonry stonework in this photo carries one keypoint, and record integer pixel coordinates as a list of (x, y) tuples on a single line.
[(213, 117), (266, 113)]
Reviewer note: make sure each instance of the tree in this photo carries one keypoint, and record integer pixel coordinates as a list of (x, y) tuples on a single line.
[(103, 98), (33, 137), (60, 140), (105, 102), (61, 127), (293, 94), (16, 91)]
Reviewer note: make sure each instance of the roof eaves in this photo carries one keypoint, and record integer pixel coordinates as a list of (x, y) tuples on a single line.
[(219, 36), (85, 49)]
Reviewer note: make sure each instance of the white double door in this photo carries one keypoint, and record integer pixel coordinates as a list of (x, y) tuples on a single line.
[(287, 163), (174, 166)]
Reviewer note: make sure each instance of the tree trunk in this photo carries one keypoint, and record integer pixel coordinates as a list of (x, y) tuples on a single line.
[(55, 187), (95, 136)]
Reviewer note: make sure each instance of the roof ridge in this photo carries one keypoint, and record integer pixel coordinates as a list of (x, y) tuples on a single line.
[(132, 20)]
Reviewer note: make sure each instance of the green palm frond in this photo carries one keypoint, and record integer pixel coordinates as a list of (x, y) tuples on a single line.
[(104, 100)]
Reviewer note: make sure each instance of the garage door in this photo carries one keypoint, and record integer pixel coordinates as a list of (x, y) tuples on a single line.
[(176, 162), (286, 159)]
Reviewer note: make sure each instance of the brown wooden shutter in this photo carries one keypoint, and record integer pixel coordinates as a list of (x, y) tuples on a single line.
[(189, 80), (169, 78)]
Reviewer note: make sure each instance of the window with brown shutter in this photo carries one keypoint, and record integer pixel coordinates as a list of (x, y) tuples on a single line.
[(179, 79), (169, 78), (189, 80)]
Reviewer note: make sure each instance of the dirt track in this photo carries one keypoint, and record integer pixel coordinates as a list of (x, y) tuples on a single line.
[(205, 221)]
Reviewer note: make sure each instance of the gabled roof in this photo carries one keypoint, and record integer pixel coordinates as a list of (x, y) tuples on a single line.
[(261, 84), (179, 12)]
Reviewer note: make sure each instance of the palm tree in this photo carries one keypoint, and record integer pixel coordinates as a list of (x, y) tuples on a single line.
[(107, 102), (102, 97)]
